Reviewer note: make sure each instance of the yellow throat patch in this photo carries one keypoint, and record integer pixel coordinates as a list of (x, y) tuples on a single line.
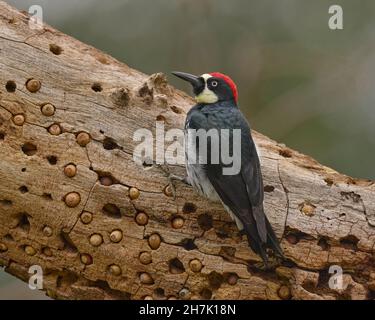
[(207, 95)]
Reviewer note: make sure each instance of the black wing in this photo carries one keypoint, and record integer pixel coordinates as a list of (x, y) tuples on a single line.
[(242, 192)]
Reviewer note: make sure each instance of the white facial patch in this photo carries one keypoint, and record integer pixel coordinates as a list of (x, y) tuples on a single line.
[(207, 95)]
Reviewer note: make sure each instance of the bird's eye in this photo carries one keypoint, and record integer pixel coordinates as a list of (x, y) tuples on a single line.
[(214, 83)]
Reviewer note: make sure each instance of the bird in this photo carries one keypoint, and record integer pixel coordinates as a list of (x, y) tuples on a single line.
[(241, 192)]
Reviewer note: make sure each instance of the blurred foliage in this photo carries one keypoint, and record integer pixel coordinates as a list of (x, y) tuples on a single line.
[(299, 82)]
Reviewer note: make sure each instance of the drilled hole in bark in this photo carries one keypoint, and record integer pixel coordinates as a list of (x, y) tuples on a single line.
[(110, 144), (116, 294), (106, 178), (24, 222), (23, 189), (6, 203), (286, 153), (59, 281), (29, 149), (293, 236), (323, 243), (205, 221), (52, 160), (230, 277), (55, 49), (189, 207), (176, 109), (145, 91), (206, 294), (47, 196), (215, 279), (188, 244), (159, 293), (328, 181), (176, 266), (160, 118), (147, 164), (344, 296), (68, 243), (2, 135), (371, 294), (8, 237), (112, 211), (10, 86), (269, 188), (308, 285), (97, 87), (228, 251), (23, 169), (350, 242), (66, 279), (224, 230)]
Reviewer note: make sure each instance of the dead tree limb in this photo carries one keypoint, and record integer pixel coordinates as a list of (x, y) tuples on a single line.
[(73, 201)]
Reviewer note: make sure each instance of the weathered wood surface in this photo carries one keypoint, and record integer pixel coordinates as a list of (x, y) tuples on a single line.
[(323, 218)]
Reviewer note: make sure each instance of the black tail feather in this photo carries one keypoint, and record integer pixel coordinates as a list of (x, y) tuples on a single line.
[(272, 241), (260, 247)]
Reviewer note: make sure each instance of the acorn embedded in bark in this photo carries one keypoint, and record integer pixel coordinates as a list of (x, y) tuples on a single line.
[(83, 138), (86, 259), (116, 236), (19, 119), (154, 241), (145, 257), (30, 250), (70, 170), (72, 199), (177, 223), (96, 240), (48, 109), (145, 278), (195, 265), (168, 191), (33, 85), (141, 218), (284, 292), (133, 193), (47, 231), (86, 217), (54, 129), (115, 269)]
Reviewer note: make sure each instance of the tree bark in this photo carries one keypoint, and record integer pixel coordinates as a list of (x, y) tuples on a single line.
[(73, 201)]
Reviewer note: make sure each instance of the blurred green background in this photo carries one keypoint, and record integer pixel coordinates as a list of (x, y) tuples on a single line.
[(299, 82)]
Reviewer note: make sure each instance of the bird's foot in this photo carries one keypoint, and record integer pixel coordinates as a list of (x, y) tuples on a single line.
[(271, 264), (172, 177)]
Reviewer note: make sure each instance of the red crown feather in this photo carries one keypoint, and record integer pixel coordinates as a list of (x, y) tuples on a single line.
[(229, 81)]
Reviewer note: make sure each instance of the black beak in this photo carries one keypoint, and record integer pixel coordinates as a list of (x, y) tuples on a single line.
[(195, 81)]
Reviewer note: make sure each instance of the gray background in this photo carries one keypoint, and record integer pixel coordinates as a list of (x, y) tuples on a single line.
[(299, 82)]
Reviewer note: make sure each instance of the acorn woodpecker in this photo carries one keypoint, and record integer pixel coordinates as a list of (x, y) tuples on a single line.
[(241, 192)]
